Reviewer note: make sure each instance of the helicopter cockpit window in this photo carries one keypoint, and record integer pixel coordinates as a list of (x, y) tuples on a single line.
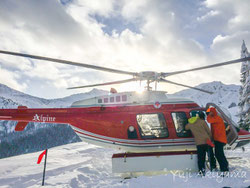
[(152, 125), (180, 120)]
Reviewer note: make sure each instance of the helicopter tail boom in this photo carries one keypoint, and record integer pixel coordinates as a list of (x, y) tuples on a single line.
[(23, 116)]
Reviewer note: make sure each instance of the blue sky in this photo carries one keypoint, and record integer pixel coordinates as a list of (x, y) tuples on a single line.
[(141, 35)]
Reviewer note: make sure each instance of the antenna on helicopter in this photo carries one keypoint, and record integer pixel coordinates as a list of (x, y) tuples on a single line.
[(148, 76)]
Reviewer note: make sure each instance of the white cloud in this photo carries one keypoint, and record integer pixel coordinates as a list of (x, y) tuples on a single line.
[(208, 15), (9, 78), (236, 13), (228, 46), (164, 43)]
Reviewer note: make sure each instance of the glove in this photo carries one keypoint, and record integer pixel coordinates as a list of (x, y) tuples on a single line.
[(210, 143)]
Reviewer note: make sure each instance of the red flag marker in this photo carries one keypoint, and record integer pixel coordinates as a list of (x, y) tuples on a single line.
[(41, 157)]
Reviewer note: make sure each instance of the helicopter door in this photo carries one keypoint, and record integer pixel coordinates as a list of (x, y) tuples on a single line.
[(231, 132)]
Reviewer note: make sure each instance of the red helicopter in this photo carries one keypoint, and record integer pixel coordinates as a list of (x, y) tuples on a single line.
[(145, 125)]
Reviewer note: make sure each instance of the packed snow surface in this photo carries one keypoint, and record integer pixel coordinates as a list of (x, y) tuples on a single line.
[(84, 165)]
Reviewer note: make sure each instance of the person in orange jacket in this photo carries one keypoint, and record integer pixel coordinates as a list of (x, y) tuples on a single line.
[(219, 136)]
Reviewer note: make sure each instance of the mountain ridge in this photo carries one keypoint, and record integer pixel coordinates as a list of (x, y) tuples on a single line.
[(7, 93), (226, 96)]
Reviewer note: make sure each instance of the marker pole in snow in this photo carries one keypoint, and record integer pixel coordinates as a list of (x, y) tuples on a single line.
[(45, 152), (44, 166)]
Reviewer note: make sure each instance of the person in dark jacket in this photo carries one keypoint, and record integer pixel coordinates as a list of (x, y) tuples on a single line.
[(201, 134), (219, 137)]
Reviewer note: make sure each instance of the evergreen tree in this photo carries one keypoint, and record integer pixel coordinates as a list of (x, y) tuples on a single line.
[(244, 102)]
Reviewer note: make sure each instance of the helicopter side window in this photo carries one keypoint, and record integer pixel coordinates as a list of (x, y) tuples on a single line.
[(152, 125), (112, 99), (180, 120), (124, 98), (118, 98), (106, 100)]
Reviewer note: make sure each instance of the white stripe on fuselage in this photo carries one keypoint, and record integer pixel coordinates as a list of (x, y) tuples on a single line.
[(129, 141)]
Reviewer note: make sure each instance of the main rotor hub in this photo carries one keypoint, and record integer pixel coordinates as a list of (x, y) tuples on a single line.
[(149, 75)]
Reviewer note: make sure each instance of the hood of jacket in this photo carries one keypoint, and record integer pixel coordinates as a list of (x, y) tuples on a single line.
[(214, 111), (192, 120)]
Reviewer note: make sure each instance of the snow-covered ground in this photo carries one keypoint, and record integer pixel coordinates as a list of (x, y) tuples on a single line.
[(85, 165)]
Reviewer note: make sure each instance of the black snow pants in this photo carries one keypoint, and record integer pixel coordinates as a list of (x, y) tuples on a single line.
[(201, 153), (220, 156), (211, 158)]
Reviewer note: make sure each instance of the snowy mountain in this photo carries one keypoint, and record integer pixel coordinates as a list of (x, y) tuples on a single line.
[(226, 96), (16, 98)]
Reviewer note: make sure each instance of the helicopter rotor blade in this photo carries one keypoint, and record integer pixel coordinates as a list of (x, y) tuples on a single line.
[(206, 67), (69, 62), (104, 84), (170, 82)]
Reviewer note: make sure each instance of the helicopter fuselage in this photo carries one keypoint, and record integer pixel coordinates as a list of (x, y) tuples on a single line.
[(129, 121)]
